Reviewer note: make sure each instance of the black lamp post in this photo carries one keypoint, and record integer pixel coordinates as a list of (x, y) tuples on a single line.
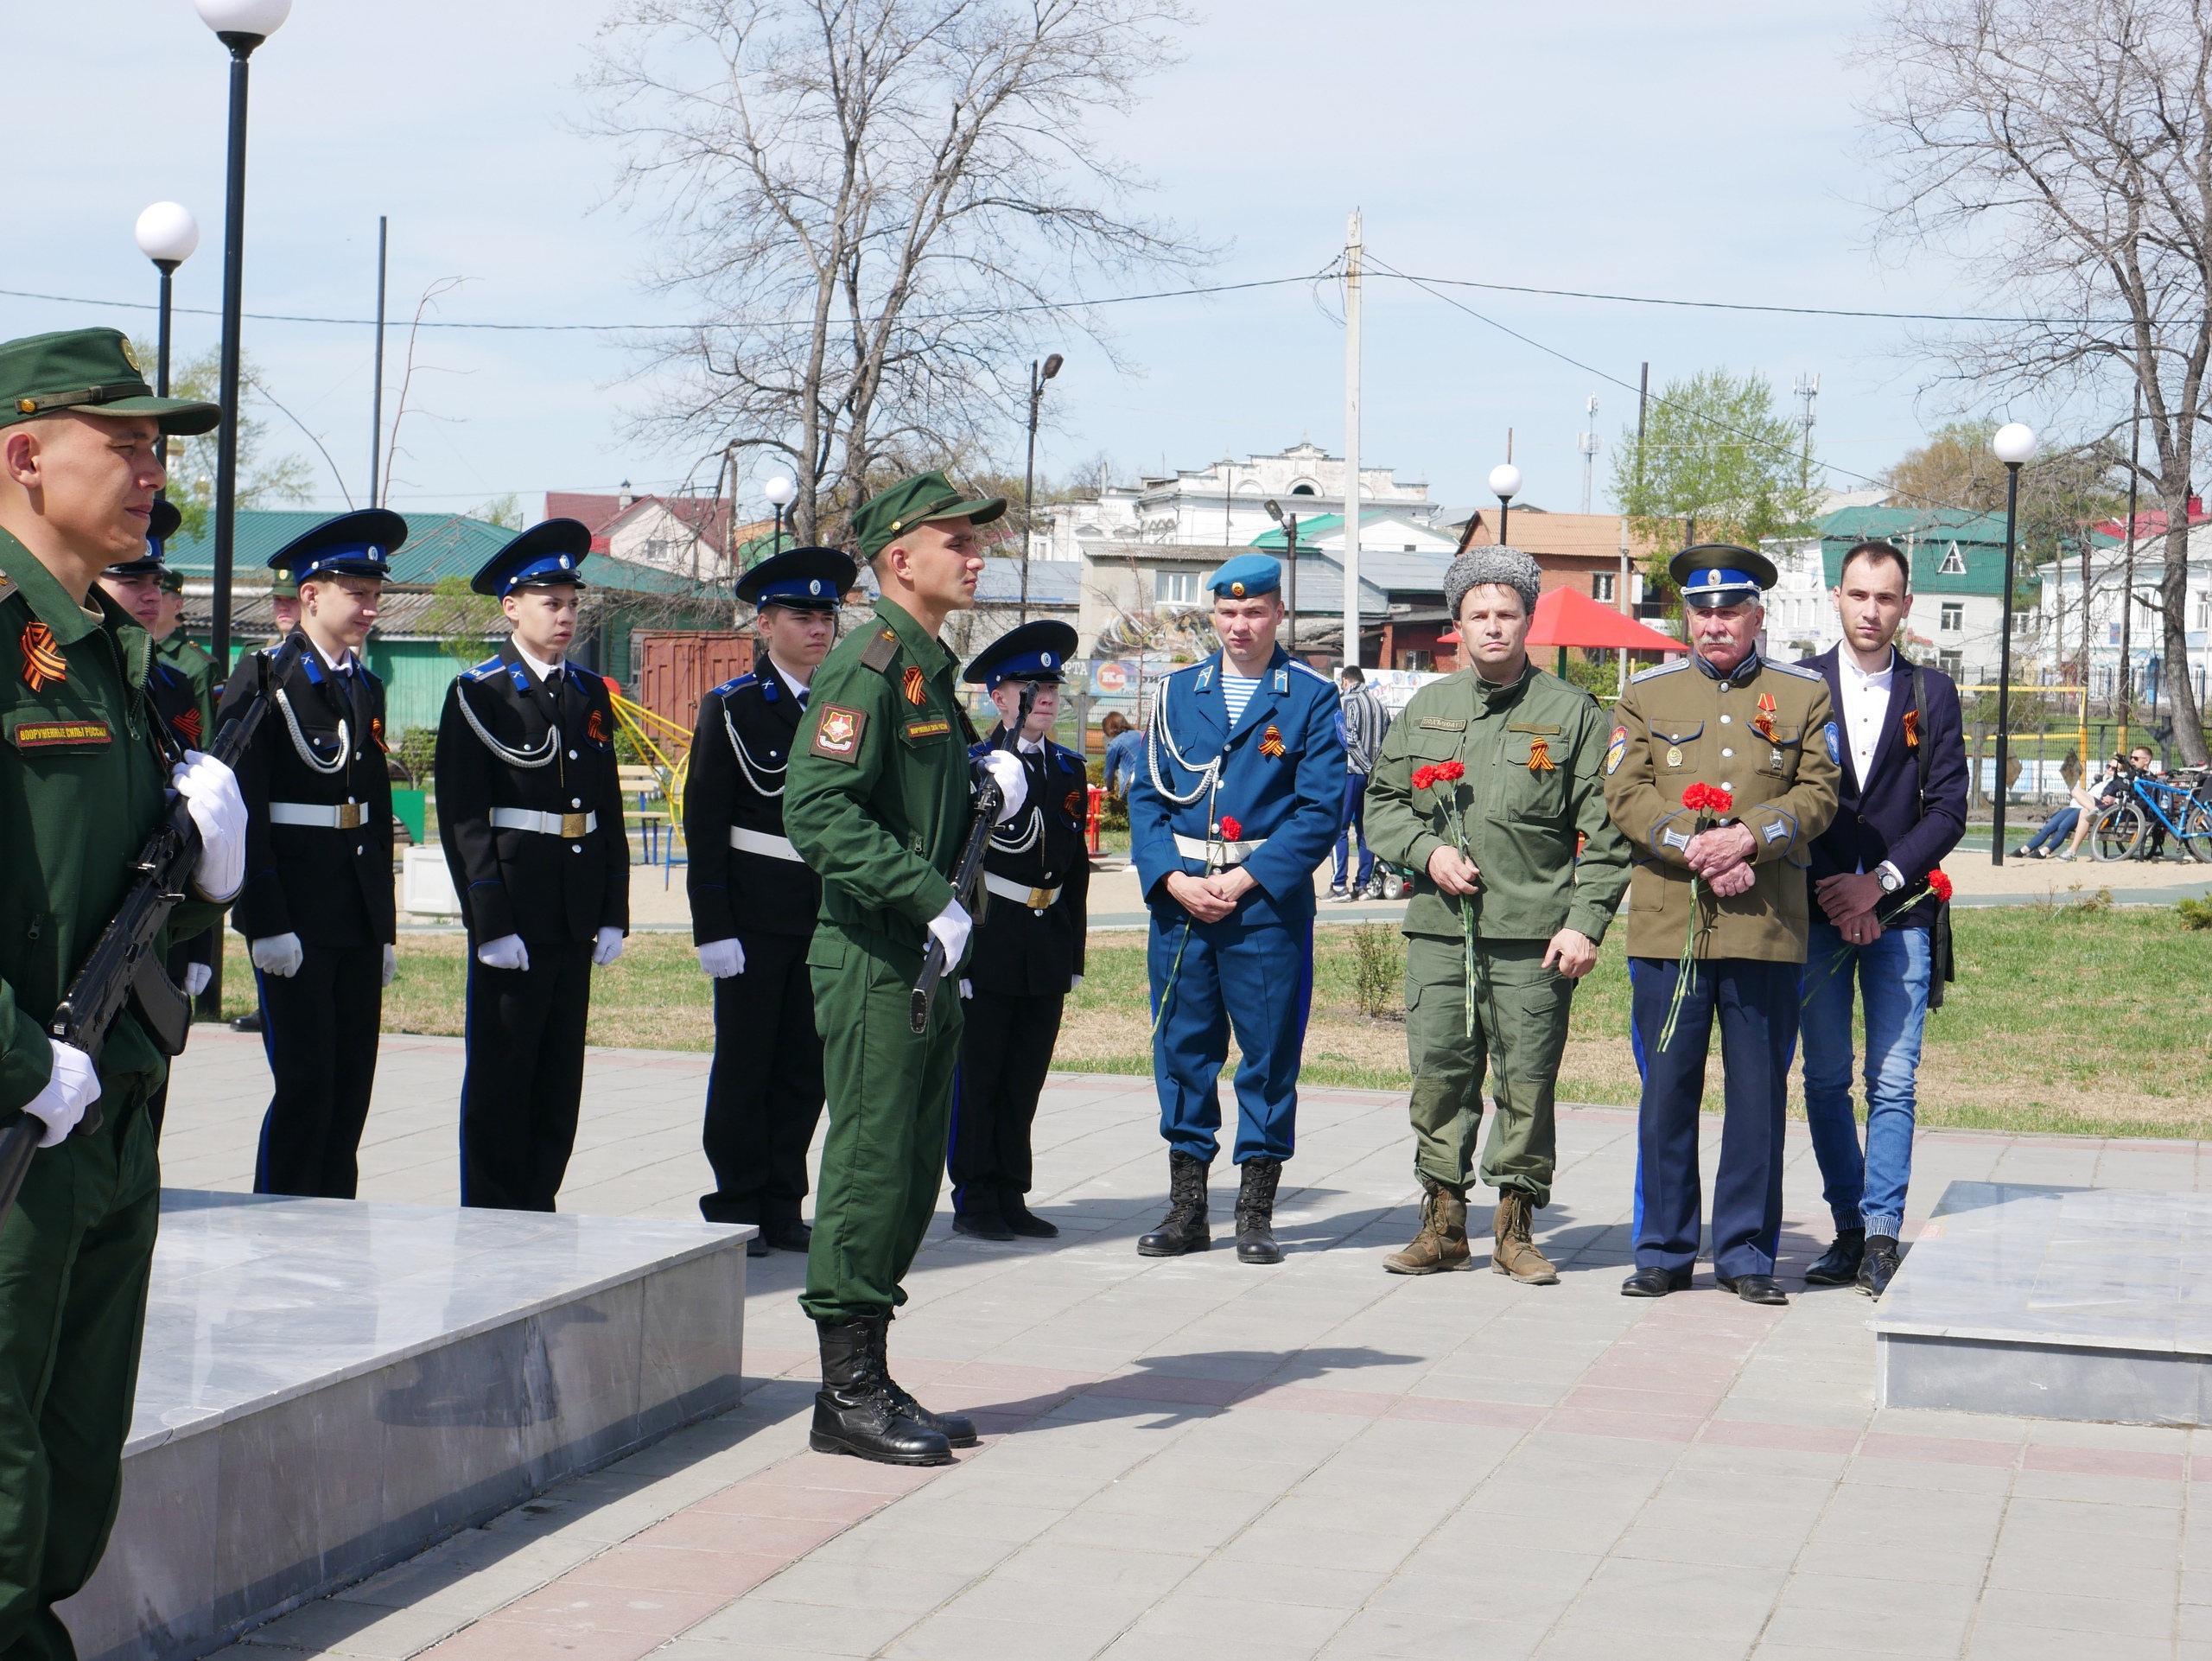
[(1505, 485), (1289, 523), (2015, 445), (1038, 374), (241, 25)]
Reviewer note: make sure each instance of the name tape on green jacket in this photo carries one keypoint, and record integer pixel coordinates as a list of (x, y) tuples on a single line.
[(82, 733)]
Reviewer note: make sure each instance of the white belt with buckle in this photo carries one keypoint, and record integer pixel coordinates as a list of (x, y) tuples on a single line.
[(1007, 889), (346, 816), (546, 825), (759, 841), (1229, 853)]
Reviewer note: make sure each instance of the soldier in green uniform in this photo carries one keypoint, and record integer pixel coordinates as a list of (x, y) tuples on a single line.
[(1532, 746), (1728, 883), (83, 765), (173, 647), (877, 802)]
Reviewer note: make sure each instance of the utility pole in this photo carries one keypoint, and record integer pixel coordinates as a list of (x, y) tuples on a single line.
[(1589, 447), (376, 397), (2127, 581), (1354, 250), (1808, 392)]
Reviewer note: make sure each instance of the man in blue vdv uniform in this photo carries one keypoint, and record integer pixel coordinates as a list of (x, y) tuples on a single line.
[(1237, 802)]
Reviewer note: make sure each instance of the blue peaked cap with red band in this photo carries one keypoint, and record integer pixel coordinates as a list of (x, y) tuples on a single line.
[(548, 554)]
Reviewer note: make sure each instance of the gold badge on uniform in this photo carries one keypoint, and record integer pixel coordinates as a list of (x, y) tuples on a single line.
[(1673, 756), (1271, 742), (916, 684), (44, 664), (130, 356)]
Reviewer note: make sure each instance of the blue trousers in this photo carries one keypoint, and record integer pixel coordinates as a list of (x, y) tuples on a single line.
[(1255, 979), (1355, 822), (1755, 1003), (2056, 828), (1865, 1191)]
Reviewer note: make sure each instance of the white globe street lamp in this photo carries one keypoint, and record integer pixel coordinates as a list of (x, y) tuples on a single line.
[(2014, 445), (1505, 485), (781, 492), (258, 18), (167, 234)]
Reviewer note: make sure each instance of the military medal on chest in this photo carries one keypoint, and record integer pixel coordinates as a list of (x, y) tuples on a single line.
[(1674, 755)]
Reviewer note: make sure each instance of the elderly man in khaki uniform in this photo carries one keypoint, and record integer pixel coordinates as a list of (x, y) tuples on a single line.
[(1722, 888)]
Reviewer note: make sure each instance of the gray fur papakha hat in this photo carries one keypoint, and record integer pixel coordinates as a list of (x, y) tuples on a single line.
[(1497, 564)]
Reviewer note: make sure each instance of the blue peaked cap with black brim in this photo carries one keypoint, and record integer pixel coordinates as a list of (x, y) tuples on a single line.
[(1037, 652), (359, 544), (548, 555), (809, 579), (1717, 574)]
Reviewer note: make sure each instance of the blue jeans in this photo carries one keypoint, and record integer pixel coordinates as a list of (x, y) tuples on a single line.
[(1355, 820), (1864, 1190), (2056, 828)]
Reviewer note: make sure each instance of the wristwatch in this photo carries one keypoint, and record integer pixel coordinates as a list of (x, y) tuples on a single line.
[(1889, 876)]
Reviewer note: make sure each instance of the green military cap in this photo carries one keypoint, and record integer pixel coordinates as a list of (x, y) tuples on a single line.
[(915, 501), (172, 580), (92, 370), (284, 586)]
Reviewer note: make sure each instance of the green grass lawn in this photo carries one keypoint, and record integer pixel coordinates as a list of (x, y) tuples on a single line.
[(2077, 1019)]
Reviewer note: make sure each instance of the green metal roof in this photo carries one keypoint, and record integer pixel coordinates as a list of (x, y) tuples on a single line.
[(1932, 538), (1311, 527), (438, 546)]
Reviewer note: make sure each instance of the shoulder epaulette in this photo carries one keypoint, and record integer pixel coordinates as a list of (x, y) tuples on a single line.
[(585, 678), (1300, 662), (737, 684), (1792, 669), (7, 588), (882, 652), (484, 670), (1672, 666)]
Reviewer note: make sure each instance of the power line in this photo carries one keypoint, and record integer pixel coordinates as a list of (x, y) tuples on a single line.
[(1742, 305)]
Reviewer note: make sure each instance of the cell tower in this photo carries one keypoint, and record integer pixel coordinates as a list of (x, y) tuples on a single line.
[(1588, 445)]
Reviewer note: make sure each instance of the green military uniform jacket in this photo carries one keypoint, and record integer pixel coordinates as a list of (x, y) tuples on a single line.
[(877, 798), (81, 785), (1522, 817), (195, 664), (1767, 735)]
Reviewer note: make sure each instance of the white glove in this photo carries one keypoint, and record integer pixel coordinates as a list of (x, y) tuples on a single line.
[(390, 965), (279, 954), (1014, 781), (1074, 981), (506, 952), (607, 947), (952, 925), (212, 791), (967, 989), (74, 1086), (720, 959), (196, 977)]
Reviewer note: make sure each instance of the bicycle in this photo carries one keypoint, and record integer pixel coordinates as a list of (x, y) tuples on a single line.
[(2150, 809)]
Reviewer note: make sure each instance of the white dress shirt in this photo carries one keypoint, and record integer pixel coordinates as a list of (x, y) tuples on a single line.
[(1865, 707)]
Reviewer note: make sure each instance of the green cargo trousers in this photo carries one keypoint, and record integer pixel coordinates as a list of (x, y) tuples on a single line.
[(1520, 1016), (890, 1101), (75, 1257)]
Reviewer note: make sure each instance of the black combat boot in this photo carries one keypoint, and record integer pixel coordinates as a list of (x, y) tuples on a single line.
[(956, 1429), (1184, 1229), (1838, 1264), (854, 1412), (1255, 1211)]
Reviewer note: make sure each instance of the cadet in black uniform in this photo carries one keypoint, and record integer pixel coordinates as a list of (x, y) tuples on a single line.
[(530, 810), (317, 910), (1027, 955), (754, 902)]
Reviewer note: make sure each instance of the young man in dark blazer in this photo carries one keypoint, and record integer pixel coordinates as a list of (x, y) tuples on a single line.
[(1902, 806)]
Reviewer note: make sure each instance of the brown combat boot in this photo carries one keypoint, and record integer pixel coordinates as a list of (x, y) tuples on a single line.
[(1516, 1254), (1442, 1241)]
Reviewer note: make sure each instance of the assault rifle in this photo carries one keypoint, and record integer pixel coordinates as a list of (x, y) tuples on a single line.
[(967, 874), (125, 966)]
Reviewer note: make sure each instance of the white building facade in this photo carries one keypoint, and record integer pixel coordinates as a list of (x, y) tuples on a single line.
[(2059, 622)]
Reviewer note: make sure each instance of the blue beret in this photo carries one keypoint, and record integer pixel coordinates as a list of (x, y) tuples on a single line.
[(1037, 651), (545, 555), (1247, 575), (352, 544)]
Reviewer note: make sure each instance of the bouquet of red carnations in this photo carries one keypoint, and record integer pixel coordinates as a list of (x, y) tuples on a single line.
[(1710, 804), (1449, 773)]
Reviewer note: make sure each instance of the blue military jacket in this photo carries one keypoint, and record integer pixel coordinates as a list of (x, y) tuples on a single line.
[(1280, 773)]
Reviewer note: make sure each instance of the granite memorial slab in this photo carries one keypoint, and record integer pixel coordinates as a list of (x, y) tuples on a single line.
[(2055, 1303), (329, 1386)]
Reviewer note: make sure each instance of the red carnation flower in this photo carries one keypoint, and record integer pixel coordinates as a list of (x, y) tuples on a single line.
[(1231, 831), (1451, 772), (1424, 777), (1939, 885), (1694, 798)]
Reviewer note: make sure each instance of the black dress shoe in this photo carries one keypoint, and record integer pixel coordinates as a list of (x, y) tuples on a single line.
[(757, 1246), (1028, 1224), (1879, 1267), (788, 1234), (1655, 1283), (1752, 1289), (1838, 1264), (980, 1225)]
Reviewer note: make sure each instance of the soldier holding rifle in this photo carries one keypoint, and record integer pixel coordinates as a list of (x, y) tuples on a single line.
[(83, 763), (877, 802)]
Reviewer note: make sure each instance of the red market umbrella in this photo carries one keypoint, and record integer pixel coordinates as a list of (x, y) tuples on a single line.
[(1566, 618)]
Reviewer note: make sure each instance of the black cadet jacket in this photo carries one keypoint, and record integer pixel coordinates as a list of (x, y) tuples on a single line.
[(510, 745), (736, 783), (1019, 950), (317, 756)]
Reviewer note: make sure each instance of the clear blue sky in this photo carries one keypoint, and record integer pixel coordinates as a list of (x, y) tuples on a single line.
[(1702, 151)]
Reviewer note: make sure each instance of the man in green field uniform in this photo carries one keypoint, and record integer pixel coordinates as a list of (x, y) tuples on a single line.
[(1533, 749), (173, 647), (82, 777), (877, 802)]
